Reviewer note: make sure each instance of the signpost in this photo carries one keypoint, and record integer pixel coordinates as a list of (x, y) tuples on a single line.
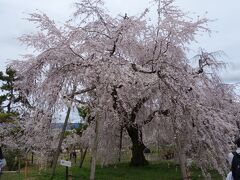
[(67, 164)]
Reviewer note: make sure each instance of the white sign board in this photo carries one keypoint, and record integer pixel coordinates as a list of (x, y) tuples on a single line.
[(65, 163)]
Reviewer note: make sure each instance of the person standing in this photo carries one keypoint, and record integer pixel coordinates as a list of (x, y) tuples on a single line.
[(2, 161), (234, 161)]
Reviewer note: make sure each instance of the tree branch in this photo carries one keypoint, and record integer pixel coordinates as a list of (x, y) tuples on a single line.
[(137, 107), (78, 55), (85, 90), (134, 67), (80, 101), (117, 105), (114, 44), (152, 115)]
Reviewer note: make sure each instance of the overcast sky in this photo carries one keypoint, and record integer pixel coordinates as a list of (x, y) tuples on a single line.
[(225, 36)]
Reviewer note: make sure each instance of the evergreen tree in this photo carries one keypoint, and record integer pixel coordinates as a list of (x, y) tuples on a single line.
[(8, 97)]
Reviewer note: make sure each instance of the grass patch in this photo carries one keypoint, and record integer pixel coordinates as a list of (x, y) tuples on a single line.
[(164, 170), (155, 171)]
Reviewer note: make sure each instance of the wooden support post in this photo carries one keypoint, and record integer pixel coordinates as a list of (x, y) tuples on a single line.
[(66, 173), (32, 158), (26, 170)]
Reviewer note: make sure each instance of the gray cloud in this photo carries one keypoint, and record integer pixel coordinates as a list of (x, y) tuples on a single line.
[(232, 73), (227, 24), (231, 77)]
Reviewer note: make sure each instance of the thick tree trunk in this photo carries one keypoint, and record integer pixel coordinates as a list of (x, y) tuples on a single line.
[(138, 158)]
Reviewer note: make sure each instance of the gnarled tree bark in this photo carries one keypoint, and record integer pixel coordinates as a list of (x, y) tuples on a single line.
[(138, 158)]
